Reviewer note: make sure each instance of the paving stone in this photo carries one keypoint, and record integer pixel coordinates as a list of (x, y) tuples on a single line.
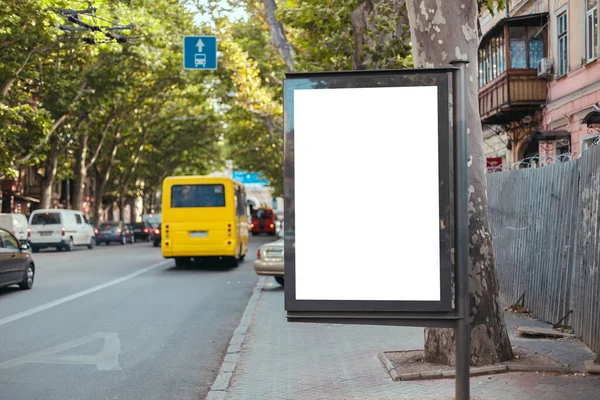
[(410, 377), (448, 374), (228, 366), (386, 362), (222, 381), (237, 339), (234, 348), (492, 369), (538, 368), (591, 367), (537, 331), (216, 396), (431, 375)]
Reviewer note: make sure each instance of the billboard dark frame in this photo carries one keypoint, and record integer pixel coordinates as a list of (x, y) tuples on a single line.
[(422, 313)]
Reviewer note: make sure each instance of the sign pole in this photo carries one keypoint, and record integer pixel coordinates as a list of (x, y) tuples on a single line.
[(461, 243)]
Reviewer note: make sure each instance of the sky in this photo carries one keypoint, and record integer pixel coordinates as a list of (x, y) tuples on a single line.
[(200, 19)]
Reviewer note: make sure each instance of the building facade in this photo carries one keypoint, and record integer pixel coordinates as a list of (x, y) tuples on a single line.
[(539, 80), (573, 104)]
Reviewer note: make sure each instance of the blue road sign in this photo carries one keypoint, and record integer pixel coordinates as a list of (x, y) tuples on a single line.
[(252, 178), (200, 52)]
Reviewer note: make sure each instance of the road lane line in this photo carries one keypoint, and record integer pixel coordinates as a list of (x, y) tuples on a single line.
[(77, 295)]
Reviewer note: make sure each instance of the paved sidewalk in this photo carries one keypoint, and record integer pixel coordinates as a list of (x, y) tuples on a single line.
[(569, 351), (281, 361)]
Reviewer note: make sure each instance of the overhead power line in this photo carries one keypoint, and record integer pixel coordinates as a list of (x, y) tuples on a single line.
[(81, 25)]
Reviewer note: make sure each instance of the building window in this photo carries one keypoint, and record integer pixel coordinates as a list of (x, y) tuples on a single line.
[(590, 141), (492, 59), (526, 46), (563, 147), (518, 47), (563, 51), (591, 30)]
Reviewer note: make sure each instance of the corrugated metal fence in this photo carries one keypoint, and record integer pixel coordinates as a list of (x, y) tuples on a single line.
[(546, 228)]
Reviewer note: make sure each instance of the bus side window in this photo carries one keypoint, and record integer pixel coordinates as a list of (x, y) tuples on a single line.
[(244, 208), (238, 202)]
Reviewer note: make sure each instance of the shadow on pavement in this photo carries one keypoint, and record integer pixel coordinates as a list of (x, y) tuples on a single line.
[(9, 290), (203, 266)]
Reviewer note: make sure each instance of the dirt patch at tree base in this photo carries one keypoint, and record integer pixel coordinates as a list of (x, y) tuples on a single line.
[(410, 365)]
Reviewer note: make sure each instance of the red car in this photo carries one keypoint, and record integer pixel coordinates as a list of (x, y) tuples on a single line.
[(263, 221)]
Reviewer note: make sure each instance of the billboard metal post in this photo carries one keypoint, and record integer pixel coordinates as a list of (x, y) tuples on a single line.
[(463, 331)]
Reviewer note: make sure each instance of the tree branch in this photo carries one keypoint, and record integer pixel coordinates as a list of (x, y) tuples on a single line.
[(10, 42), (101, 143), (63, 118), (278, 38), (105, 173), (276, 79), (9, 82)]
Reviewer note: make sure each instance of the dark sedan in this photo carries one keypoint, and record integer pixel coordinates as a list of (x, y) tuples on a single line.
[(114, 232), (16, 262), (142, 231)]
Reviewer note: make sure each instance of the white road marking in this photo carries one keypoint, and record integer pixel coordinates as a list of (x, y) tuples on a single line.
[(106, 360), (77, 295)]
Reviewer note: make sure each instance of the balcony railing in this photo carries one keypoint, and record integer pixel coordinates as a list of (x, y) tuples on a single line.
[(512, 95)]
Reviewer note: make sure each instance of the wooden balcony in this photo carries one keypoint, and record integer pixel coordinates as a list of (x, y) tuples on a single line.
[(511, 96)]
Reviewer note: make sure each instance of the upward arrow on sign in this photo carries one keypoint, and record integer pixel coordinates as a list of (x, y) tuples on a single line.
[(200, 45)]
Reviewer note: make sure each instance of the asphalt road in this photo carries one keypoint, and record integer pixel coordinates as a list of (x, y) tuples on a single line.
[(119, 322)]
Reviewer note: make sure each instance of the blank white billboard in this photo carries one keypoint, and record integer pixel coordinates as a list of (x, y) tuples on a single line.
[(367, 194)]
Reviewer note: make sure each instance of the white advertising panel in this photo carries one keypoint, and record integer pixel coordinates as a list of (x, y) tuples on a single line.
[(367, 194)]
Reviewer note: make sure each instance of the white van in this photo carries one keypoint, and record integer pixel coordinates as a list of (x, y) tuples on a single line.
[(62, 229), (15, 224)]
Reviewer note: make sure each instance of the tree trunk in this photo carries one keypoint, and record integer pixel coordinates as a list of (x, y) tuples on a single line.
[(102, 177), (442, 32), (129, 175), (80, 171), (98, 192), (131, 203), (150, 202), (49, 175), (360, 16), (110, 210), (278, 38), (122, 205)]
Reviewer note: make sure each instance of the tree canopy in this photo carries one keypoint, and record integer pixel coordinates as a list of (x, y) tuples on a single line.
[(103, 88), (98, 89)]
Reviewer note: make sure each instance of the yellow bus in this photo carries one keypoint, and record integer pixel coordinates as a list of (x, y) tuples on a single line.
[(204, 217)]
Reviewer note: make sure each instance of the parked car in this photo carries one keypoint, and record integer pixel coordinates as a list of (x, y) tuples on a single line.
[(142, 231), (270, 260), (61, 229), (16, 263), (156, 236), (114, 231), (15, 224)]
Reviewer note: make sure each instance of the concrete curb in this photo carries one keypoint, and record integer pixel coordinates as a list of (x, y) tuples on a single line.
[(218, 390), (474, 371), (389, 366)]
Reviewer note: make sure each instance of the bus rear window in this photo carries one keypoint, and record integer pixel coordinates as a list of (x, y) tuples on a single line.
[(197, 196), (260, 213), (45, 219)]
